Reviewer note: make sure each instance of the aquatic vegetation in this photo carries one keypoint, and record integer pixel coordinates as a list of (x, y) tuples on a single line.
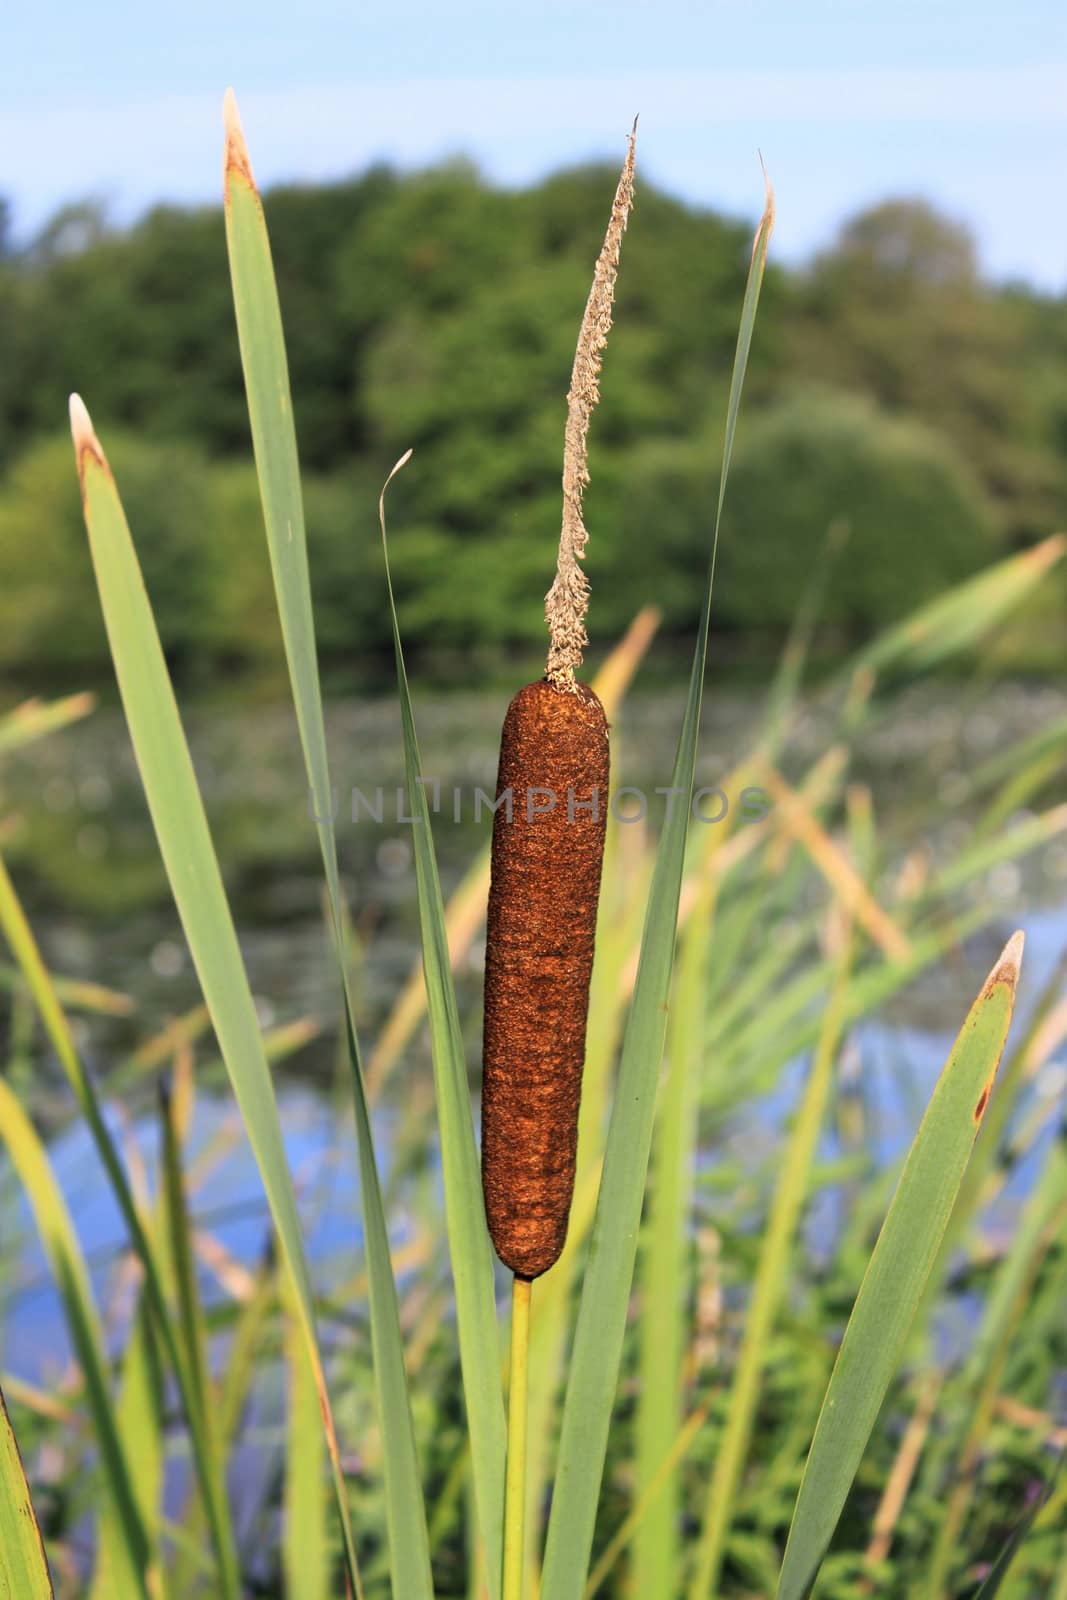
[(748, 1458)]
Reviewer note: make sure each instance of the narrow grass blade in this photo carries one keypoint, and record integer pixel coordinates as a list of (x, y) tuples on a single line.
[(958, 619), (305, 1546), (1009, 845), (601, 1321), (77, 995), (189, 857), (141, 1413), (468, 1236), (43, 1402), (139, 1418), (60, 1243), (899, 1479), (782, 695), (270, 410), (980, 1382), (893, 1284), (663, 1274), (35, 718), (19, 935), (234, 1385), (790, 1020), (999, 1570), (1032, 775), (242, 1361), (1057, 1504), (1046, 1027), (732, 1446), (23, 1568), (798, 819), (635, 1520), (183, 1269)]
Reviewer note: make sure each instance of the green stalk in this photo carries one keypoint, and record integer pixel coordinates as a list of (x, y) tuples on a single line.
[(664, 1268), (515, 1483)]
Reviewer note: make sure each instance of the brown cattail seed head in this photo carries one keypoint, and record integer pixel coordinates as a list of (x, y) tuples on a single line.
[(548, 848)]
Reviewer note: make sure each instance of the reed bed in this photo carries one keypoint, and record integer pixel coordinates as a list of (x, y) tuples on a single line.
[(704, 1402)]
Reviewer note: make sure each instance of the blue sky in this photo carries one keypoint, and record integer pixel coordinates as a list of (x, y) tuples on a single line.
[(965, 104)]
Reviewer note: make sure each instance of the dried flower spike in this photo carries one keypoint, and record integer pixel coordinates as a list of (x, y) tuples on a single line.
[(568, 599)]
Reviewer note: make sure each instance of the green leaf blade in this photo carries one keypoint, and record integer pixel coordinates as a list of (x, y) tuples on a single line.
[(468, 1235), (45, 994), (897, 1272), (305, 1540), (664, 1269), (23, 1567), (132, 1549), (767, 1290), (188, 854), (274, 440)]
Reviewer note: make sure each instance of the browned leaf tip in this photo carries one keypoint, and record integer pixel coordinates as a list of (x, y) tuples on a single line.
[(1006, 971), (766, 222), (86, 443), (397, 467), (1048, 552), (236, 161), (1007, 966)]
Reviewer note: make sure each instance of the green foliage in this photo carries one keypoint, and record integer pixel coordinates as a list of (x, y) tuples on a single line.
[(769, 999), (915, 517), (203, 560), (23, 1568), (432, 311)]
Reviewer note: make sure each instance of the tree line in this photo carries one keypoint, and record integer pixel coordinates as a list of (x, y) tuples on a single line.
[(902, 413)]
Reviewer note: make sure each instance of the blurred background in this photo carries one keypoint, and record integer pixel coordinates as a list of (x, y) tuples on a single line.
[(436, 184)]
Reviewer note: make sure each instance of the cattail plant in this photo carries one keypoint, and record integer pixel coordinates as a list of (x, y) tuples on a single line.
[(546, 867), (547, 854)]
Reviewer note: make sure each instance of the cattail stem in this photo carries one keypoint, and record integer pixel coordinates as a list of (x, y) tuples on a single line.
[(515, 1486)]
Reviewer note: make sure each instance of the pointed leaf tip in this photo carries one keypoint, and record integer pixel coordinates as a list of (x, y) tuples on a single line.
[(81, 426), (83, 434), (1007, 967), (768, 203), (404, 459), (237, 158), (231, 117), (765, 225)]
